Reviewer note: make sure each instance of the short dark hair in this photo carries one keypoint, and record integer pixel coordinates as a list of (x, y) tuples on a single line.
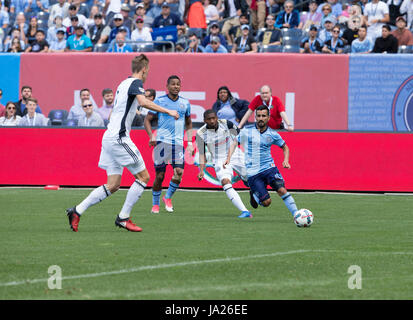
[(387, 26), (26, 87), (106, 91), (172, 78), (208, 112), (262, 107), (152, 92), (84, 89)]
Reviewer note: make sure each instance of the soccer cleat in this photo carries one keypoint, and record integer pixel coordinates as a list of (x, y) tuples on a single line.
[(74, 218), (245, 214), (127, 224), (253, 203), (168, 204), (155, 209)]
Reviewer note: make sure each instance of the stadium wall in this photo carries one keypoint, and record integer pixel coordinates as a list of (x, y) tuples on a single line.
[(320, 160)]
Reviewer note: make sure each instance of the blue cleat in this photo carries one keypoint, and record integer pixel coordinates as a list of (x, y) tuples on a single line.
[(245, 214)]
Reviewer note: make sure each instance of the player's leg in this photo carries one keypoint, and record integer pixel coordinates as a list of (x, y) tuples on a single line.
[(258, 191), (160, 156), (276, 181), (225, 176), (177, 162)]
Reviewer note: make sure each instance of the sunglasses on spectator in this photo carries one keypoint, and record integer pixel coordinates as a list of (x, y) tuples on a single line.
[(336, 31), (139, 21), (11, 108), (326, 9), (288, 7), (87, 105), (213, 42), (117, 19)]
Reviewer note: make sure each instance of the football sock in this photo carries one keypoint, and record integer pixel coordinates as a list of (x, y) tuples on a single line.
[(234, 197), (171, 190), (94, 197), (156, 197), (134, 193), (290, 203), (257, 199)]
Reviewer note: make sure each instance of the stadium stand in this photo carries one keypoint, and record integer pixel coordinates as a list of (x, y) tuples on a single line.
[(291, 36)]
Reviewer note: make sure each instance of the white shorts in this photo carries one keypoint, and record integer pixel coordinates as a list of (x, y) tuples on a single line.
[(237, 164), (119, 153)]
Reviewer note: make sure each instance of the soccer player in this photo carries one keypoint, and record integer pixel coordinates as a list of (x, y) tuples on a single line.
[(217, 135), (257, 140), (118, 150), (169, 141)]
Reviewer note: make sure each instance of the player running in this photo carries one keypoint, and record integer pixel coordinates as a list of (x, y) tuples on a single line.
[(169, 142), (118, 150), (217, 135), (257, 140)]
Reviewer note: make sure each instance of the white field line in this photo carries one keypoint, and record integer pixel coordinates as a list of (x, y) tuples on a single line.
[(154, 267), (196, 262)]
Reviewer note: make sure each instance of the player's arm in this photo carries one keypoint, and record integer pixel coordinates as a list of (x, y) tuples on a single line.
[(148, 128), (286, 152), (245, 118), (202, 158), (148, 104), (231, 150), (188, 128)]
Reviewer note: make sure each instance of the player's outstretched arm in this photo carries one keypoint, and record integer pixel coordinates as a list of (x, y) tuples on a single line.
[(245, 118), (148, 104), (286, 152), (231, 150), (188, 128), (148, 128)]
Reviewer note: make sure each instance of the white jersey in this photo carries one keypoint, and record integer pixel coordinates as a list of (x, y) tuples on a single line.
[(217, 141), (124, 109)]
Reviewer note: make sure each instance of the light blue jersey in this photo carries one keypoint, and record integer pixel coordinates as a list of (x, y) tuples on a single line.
[(170, 130), (257, 148)]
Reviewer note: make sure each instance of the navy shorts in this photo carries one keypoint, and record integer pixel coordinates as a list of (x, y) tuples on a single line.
[(165, 153), (259, 182)]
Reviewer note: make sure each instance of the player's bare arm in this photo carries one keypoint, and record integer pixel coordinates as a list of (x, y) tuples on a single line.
[(231, 150), (148, 128), (148, 104), (202, 158), (188, 128), (286, 152)]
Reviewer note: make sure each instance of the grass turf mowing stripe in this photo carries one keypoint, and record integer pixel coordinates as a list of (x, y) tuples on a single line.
[(154, 267)]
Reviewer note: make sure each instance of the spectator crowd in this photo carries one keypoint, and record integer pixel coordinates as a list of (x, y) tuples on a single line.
[(212, 26)]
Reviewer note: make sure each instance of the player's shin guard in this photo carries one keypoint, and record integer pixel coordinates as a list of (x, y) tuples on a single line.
[(171, 190), (234, 197), (290, 203), (94, 197), (134, 194), (156, 197)]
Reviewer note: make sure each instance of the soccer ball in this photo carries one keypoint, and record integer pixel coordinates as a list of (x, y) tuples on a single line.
[(303, 218)]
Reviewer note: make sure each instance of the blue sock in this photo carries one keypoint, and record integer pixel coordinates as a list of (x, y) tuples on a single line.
[(290, 203), (171, 190), (156, 197), (257, 199)]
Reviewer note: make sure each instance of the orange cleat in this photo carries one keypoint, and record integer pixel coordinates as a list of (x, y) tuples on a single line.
[(74, 218), (127, 224)]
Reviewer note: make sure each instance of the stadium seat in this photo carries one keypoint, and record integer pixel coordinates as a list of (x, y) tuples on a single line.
[(43, 16), (101, 47), (143, 47), (70, 123), (272, 48), (291, 41), (405, 49), (292, 33), (42, 24), (57, 116), (291, 49)]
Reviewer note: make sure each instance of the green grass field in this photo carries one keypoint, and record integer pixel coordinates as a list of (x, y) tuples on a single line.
[(203, 251)]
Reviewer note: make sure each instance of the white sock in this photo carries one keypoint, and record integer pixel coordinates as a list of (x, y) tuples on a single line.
[(234, 197), (94, 197), (134, 193)]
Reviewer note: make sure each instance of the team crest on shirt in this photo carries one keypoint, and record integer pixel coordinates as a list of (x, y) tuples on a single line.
[(141, 89), (402, 107), (182, 108)]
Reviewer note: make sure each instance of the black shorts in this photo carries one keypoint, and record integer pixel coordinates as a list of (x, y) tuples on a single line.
[(165, 153)]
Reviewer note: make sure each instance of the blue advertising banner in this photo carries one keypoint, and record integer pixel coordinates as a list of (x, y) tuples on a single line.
[(380, 92), (9, 76)]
